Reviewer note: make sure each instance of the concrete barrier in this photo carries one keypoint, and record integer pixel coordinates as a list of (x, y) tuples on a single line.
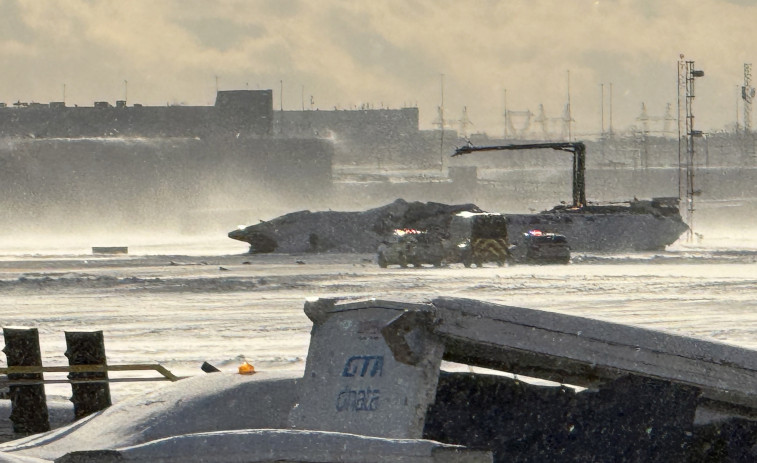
[(87, 348), (110, 250), (29, 412), (87, 373), (358, 381)]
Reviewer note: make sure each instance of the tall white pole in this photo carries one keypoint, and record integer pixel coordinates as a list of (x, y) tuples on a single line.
[(738, 97), (602, 108), (441, 126), (506, 120), (610, 129), (570, 117)]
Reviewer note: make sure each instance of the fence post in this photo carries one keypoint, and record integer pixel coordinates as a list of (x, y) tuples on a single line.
[(28, 402), (87, 348)]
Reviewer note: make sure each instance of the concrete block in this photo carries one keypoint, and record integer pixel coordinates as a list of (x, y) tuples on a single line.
[(358, 381), (110, 249)]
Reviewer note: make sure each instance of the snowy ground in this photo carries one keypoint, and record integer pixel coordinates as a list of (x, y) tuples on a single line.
[(158, 305), (184, 301)]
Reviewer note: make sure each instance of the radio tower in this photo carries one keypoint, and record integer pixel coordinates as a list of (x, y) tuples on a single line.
[(747, 93), (686, 158)]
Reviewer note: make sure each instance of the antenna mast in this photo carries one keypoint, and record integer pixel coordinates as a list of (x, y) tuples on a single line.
[(738, 96), (602, 109), (610, 129), (681, 67), (570, 116), (441, 125), (506, 115), (686, 76), (747, 93)]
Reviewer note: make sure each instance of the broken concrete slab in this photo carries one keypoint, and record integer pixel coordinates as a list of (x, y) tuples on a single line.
[(586, 352)]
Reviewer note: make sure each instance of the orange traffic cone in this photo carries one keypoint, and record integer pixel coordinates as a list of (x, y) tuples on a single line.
[(246, 369)]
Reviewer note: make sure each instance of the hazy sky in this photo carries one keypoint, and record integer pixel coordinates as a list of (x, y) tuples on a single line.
[(390, 53)]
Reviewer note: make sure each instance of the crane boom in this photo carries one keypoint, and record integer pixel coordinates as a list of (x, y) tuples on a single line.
[(579, 161)]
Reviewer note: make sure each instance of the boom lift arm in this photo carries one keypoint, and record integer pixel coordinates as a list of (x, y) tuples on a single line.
[(579, 161)]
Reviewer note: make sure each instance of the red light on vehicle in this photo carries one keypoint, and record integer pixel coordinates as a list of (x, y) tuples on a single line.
[(408, 231), (535, 232)]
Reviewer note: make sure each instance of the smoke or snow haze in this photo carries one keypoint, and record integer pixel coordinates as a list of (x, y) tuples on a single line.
[(390, 53)]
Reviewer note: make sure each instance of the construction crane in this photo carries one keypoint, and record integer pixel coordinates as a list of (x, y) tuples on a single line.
[(579, 161)]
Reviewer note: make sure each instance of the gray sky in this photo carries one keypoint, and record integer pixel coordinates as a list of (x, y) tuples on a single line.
[(390, 53)]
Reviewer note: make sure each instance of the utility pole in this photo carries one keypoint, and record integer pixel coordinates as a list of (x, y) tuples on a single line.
[(610, 129), (681, 88), (602, 108), (570, 116), (506, 120), (738, 97), (441, 125)]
